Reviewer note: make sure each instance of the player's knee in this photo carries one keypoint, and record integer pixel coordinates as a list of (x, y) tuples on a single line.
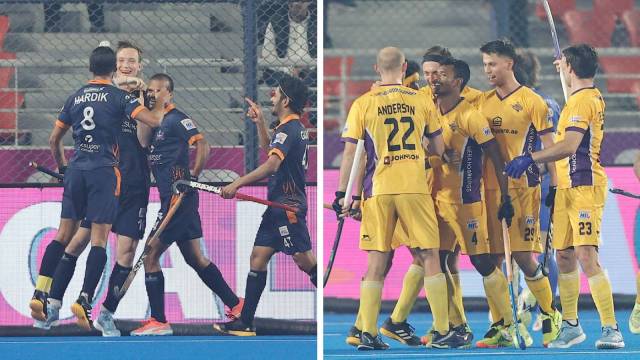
[(588, 258), (483, 264), (258, 262)]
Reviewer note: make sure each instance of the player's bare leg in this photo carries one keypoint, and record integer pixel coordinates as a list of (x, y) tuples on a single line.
[(307, 262)]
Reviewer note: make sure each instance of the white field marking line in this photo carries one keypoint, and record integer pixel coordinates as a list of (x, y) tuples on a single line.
[(483, 353), (149, 340)]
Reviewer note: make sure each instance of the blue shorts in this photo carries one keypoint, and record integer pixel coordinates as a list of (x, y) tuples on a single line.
[(283, 231), (91, 194), (185, 224), (131, 219)]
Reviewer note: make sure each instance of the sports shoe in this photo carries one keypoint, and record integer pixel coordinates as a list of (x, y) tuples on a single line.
[(38, 305), (550, 326), (537, 325), (235, 312), (450, 340), (370, 342), (569, 335), (611, 338), (236, 328), (353, 337), (464, 332), (53, 311), (528, 340), (82, 310), (634, 319), (152, 327), (497, 336), (402, 332), (526, 304), (106, 325)]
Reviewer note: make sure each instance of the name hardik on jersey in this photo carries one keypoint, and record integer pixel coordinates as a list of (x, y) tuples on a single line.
[(516, 122), (289, 142), (584, 112), (95, 113), (392, 120), (465, 131)]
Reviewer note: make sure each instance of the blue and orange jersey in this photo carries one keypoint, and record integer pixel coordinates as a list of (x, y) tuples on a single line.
[(169, 150), (516, 120), (464, 131), (95, 113), (290, 142), (584, 113)]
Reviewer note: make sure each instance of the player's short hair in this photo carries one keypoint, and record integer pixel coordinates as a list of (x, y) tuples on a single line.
[(412, 74), (163, 77), (502, 47), (436, 53), (102, 61), (294, 89), (526, 68), (125, 44), (583, 59), (460, 70)]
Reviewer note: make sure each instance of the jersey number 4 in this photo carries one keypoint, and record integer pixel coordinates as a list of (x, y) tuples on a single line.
[(394, 131)]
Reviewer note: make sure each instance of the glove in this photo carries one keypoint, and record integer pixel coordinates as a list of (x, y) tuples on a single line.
[(516, 167), (62, 169), (551, 197), (354, 210), (193, 178), (337, 207), (506, 210)]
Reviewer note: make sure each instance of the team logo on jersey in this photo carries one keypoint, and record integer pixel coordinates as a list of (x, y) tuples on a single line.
[(496, 121), (88, 138), (529, 220), (160, 135), (473, 224), (280, 138), (550, 115), (188, 124), (517, 107), (486, 131), (304, 135), (284, 230), (575, 118), (584, 214)]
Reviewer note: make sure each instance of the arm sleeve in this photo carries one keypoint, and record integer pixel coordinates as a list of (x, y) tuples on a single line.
[(64, 119), (131, 106), (541, 117), (476, 127), (432, 127), (580, 117), (354, 129), (282, 141), (186, 129)]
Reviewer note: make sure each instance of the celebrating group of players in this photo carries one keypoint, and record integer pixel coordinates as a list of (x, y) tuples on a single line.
[(448, 166), (122, 129)]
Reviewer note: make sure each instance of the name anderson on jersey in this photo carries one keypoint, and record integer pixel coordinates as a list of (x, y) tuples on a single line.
[(396, 108)]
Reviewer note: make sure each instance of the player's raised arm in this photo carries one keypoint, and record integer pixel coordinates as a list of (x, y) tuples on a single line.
[(153, 117), (255, 114)]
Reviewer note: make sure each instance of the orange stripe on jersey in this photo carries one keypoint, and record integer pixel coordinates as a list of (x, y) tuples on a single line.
[(61, 125), (194, 138), (118, 180), (174, 199), (136, 111), (101, 82), (277, 152), (168, 108)]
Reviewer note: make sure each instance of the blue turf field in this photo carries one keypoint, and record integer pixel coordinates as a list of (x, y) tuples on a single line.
[(159, 348), (337, 325)]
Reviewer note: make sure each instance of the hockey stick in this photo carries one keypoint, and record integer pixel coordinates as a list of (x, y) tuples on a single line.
[(514, 304), (624, 193), (153, 238), (556, 46), (547, 245), (217, 190), (355, 169), (44, 170)]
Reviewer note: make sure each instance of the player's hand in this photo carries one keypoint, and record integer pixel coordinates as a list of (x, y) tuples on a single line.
[(255, 112), (354, 211), (229, 191), (506, 210), (551, 197), (516, 167), (337, 204)]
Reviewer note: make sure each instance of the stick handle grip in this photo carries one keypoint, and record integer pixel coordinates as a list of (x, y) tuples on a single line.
[(44, 170)]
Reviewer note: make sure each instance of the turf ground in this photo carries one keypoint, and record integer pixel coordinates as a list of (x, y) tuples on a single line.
[(337, 325)]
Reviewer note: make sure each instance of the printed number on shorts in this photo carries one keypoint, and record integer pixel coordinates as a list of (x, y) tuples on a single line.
[(474, 239), (88, 123), (394, 131), (528, 234), (584, 228)]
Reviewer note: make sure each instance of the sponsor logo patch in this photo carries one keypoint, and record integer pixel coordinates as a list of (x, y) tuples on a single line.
[(529, 220), (517, 107), (584, 214), (284, 230), (486, 131), (496, 121), (188, 124), (473, 224), (575, 118), (280, 138), (365, 238)]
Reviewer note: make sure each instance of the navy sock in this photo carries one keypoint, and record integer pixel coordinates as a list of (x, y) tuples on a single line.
[(313, 275), (51, 257), (154, 282), (62, 276), (95, 266), (256, 281), (118, 276), (212, 277)]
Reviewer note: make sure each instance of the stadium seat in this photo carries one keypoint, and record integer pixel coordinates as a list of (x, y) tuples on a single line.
[(580, 25), (631, 20), (616, 7), (558, 8), (635, 88), (4, 55), (4, 28), (620, 65), (8, 102), (5, 77)]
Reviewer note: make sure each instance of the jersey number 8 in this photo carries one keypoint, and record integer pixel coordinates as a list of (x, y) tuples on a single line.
[(88, 123)]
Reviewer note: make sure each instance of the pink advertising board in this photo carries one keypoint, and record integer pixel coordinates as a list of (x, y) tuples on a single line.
[(620, 241), (29, 218)]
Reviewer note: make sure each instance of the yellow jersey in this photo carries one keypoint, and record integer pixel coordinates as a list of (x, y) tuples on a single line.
[(464, 130), (584, 112), (392, 120), (516, 121), (472, 95)]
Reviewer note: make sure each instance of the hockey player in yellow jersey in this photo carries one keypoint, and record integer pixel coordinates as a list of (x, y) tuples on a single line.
[(517, 116), (580, 197), (392, 120)]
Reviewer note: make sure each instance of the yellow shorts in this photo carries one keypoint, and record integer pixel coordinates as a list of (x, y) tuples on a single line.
[(465, 225), (524, 231), (577, 216), (413, 214)]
